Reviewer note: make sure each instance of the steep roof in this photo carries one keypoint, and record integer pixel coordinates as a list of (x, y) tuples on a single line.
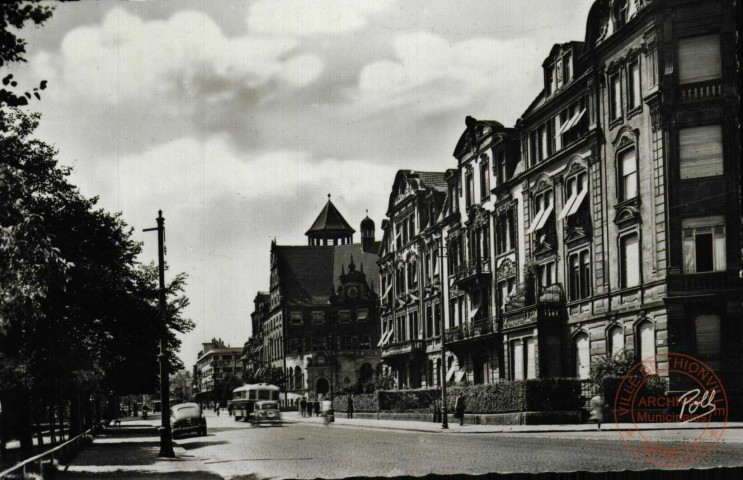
[(310, 274), (433, 180), (330, 220)]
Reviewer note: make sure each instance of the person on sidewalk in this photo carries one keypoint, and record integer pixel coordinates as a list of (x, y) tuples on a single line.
[(317, 408), (350, 406), (597, 409), (303, 406), (459, 407)]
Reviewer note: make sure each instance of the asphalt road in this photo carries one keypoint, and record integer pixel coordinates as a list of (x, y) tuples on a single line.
[(234, 449)]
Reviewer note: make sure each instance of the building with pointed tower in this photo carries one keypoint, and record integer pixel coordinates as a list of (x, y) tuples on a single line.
[(321, 322)]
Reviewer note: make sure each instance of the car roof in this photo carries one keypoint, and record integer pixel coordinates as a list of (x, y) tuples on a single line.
[(183, 405), (257, 386)]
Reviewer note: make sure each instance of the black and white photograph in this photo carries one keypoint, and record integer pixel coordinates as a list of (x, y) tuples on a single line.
[(299, 239)]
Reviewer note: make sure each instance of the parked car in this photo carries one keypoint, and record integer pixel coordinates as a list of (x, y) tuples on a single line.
[(187, 418)]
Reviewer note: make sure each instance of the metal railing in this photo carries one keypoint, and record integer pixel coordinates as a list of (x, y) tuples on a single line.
[(35, 464), (472, 267)]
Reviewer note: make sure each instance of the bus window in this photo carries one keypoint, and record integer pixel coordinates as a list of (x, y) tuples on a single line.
[(252, 395), (275, 396), (264, 394)]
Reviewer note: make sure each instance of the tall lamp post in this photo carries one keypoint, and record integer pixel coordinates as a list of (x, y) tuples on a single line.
[(442, 370), (166, 440)]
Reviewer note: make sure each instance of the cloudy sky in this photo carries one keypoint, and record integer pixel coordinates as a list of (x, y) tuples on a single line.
[(238, 118)]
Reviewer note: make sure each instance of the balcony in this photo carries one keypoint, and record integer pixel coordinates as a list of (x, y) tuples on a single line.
[(479, 328), (407, 347), (693, 92), (549, 307), (473, 273), (703, 283)]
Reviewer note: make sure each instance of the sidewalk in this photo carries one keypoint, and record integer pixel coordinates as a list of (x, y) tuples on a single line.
[(454, 427), (130, 451)]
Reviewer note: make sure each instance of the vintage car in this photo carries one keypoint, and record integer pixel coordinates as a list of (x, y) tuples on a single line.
[(187, 418), (265, 411)]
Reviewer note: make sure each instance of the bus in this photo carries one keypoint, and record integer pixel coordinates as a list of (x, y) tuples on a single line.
[(256, 403)]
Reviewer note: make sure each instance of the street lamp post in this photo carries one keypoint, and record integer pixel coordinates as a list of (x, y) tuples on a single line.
[(166, 440), (442, 370)]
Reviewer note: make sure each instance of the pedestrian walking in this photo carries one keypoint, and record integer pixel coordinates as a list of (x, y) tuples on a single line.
[(303, 406), (316, 405), (350, 406), (596, 405), (459, 407)]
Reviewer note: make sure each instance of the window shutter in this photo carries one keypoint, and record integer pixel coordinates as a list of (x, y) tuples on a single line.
[(518, 360), (719, 249), (531, 371), (699, 59), (700, 151)]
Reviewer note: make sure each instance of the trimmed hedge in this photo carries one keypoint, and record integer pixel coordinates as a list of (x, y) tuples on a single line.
[(538, 395), (367, 402), (408, 401)]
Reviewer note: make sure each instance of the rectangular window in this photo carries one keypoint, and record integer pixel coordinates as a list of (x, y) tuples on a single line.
[(484, 178), (344, 316), (633, 84), (296, 318), (544, 142), (579, 275), (362, 315), (530, 358), (700, 151), (364, 342), (628, 165), (502, 167), (615, 108), (318, 317), (630, 260), (533, 147), (411, 226), (551, 80), (437, 319), (567, 67), (543, 206), (517, 359), (577, 189), (699, 59), (470, 186), (704, 244)]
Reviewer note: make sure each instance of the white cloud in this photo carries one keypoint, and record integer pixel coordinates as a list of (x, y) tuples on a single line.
[(317, 17), (186, 57), (431, 74)]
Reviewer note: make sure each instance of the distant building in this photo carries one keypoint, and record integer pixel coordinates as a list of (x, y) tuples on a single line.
[(215, 361), (181, 386), (322, 307)]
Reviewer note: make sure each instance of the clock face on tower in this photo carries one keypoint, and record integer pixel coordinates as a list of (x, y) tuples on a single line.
[(352, 292)]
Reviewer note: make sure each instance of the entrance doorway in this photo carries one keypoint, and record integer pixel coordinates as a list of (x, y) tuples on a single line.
[(322, 387)]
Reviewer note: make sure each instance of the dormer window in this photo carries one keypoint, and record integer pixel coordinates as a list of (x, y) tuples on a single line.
[(620, 14), (501, 166), (567, 67), (551, 84)]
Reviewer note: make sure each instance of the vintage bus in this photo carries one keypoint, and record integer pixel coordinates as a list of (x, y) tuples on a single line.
[(257, 403)]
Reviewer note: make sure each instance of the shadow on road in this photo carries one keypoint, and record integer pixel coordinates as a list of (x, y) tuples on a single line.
[(195, 445), (130, 453), (137, 475)]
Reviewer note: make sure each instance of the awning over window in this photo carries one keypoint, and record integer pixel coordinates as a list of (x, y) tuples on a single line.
[(386, 337), (387, 291), (579, 199), (459, 376), (543, 219), (451, 371)]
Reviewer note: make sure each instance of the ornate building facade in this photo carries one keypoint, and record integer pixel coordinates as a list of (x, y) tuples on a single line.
[(608, 218), (319, 322)]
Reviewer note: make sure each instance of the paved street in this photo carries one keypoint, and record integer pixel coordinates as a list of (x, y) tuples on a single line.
[(307, 450)]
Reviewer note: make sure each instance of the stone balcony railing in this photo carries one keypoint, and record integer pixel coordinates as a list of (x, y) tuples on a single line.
[(407, 347), (683, 284), (700, 91), (477, 328)]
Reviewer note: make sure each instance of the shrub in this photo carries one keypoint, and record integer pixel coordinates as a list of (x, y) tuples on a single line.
[(654, 387), (548, 394), (367, 402), (416, 401)]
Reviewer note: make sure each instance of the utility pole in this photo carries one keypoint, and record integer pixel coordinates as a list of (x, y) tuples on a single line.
[(166, 439)]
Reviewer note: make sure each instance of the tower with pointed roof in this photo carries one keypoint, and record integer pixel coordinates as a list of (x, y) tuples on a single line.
[(330, 228), (367, 233)]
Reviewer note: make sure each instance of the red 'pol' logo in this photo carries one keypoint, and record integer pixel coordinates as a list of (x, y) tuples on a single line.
[(696, 395)]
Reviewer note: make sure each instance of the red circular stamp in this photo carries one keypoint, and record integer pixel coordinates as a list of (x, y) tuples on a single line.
[(677, 390)]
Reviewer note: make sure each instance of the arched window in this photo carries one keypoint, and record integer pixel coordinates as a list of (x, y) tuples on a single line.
[(616, 339), (582, 355), (646, 342)]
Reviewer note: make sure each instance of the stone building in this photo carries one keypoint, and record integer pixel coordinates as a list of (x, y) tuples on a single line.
[(252, 357), (215, 361), (321, 314), (410, 269), (608, 218)]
